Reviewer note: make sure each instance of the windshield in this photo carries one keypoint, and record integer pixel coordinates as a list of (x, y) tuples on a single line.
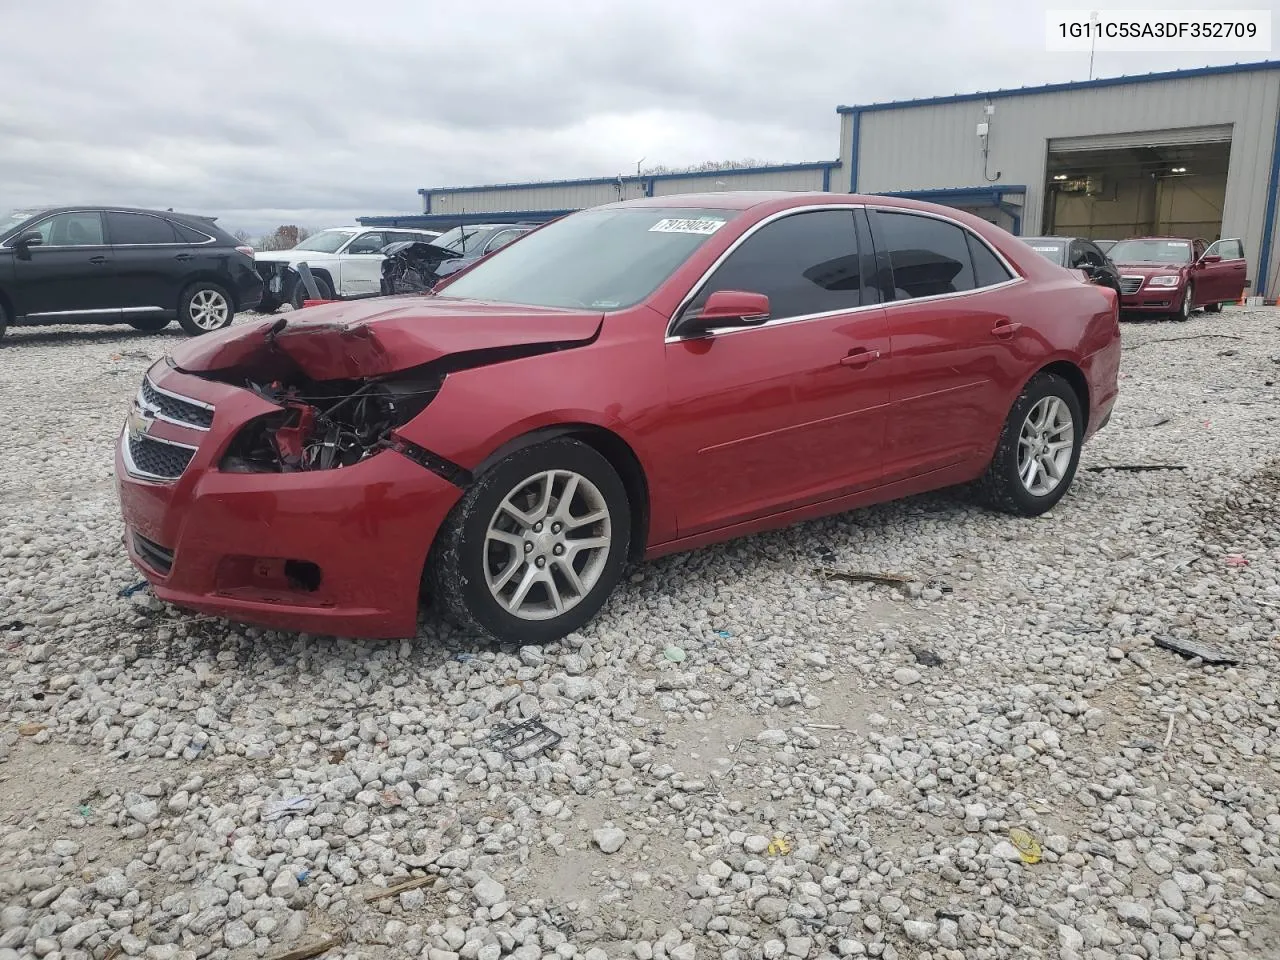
[(603, 259), (1052, 250), (326, 241), (464, 240), (14, 217), (1151, 251)]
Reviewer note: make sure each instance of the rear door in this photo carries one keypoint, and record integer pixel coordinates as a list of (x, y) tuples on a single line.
[(790, 412), (70, 274), (948, 337), (361, 266), (151, 261), (1230, 275)]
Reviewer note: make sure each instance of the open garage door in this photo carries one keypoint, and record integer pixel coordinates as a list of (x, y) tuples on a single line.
[(1154, 182)]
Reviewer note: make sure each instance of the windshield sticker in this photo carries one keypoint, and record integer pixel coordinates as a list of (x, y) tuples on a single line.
[(704, 227), (1045, 249), (1176, 244)]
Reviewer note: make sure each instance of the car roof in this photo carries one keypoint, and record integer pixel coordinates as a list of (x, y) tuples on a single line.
[(112, 208), (1048, 237)]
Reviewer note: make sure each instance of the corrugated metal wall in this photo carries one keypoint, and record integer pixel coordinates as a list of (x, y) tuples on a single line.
[(566, 196), (936, 146), (741, 180)]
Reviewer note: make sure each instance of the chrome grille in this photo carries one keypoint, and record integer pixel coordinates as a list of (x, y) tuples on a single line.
[(1131, 284), (158, 459), (176, 409)]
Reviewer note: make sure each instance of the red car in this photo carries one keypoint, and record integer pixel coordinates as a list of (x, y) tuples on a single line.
[(1176, 275), (628, 381)]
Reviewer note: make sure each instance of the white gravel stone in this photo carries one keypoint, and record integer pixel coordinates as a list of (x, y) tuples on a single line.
[(609, 839)]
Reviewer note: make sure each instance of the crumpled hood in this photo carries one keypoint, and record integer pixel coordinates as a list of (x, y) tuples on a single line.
[(369, 338)]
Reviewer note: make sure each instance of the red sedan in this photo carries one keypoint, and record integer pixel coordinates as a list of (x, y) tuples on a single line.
[(628, 381)]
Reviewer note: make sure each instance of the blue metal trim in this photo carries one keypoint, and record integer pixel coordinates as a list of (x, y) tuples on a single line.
[(1064, 87), (947, 196), (826, 180), (611, 181), (463, 219), (1269, 216), (855, 144)]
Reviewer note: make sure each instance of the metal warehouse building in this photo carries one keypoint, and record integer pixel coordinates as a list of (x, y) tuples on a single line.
[(1188, 152)]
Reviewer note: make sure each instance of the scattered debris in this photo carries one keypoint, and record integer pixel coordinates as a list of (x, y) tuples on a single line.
[(313, 950), (15, 625), (287, 807), (926, 657), (30, 729), (1227, 353), (337, 756), (779, 846), (937, 583), (399, 888), (1136, 467), (723, 634), (1198, 336), (464, 657), (1196, 651), (85, 810), (130, 591), (1168, 737), (524, 741), (858, 576), (674, 654), (1161, 422), (1026, 844), (1236, 560)]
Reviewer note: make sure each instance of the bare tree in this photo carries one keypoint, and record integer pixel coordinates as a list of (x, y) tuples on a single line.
[(243, 236), (706, 167), (284, 237)]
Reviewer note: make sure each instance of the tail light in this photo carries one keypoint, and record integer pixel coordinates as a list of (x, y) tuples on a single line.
[(246, 250)]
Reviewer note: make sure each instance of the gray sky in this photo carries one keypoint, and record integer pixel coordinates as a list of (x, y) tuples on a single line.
[(315, 112)]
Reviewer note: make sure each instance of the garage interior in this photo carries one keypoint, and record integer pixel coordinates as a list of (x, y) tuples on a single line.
[(1159, 183)]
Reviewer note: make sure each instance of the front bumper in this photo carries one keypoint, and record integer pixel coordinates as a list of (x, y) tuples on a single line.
[(232, 544), (1152, 300)]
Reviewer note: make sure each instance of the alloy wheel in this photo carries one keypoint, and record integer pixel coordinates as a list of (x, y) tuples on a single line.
[(547, 544), (1045, 445), (209, 310)]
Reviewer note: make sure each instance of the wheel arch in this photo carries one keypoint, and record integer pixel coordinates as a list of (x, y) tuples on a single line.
[(609, 445), (208, 276), (1074, 376)]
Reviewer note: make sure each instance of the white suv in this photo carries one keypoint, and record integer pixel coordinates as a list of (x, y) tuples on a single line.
[(345, 261)]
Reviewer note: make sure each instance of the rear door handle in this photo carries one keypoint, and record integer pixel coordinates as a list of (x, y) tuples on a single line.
[(859, 357), (98, 259), (1006, 328)]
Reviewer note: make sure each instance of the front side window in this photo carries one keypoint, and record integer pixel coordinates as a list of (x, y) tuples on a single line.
[(326, 241), (368, 243), (602, 259), (1227, 249), (1151, 251), (805, 263), (138, 228), (929, 257), (71, 230)]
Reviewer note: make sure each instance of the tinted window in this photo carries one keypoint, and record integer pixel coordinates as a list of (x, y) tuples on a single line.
[(139, 228), (368, 243), (188, 234), (805, 263), (928, 256), (501, 240), (603, 259), (987, 268), (1228, 249), (71, 230), (1055, 251), (326, 241)]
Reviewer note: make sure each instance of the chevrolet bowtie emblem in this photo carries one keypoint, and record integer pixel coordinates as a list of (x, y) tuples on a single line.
[(138, 424)]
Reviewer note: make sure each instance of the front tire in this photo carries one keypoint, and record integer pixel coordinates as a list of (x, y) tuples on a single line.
[(1184, 311), (300, 291), (536, 546), (1039, 449), (204, 307), (150, 324)]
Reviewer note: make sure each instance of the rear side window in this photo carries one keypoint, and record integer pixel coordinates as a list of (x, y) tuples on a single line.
[(929, 257), (804, 263), (138, 228), (987, 268), (187, 234)]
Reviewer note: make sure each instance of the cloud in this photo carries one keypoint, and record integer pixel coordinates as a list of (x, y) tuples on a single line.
[(316, 112)]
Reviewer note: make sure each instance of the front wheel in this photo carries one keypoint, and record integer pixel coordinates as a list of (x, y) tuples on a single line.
[(300, 291), (204, 307), (535, 547), (1039, 448), (1184, 311)]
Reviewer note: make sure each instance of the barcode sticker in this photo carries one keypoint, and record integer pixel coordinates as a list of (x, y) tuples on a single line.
[(699, 226)]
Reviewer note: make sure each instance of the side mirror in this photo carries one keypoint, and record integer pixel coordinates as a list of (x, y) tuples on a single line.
[(728, 308), (1211, 258), (22, 246), (1089, 270)]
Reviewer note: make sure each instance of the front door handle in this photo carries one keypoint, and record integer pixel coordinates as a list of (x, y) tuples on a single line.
[(1006, 329), (98, 259), (859, 357), (183, 257)]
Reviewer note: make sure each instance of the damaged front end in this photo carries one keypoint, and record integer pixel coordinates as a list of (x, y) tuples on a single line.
[(412, 266)]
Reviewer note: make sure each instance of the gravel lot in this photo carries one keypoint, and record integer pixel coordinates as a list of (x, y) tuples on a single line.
[(832, 769)]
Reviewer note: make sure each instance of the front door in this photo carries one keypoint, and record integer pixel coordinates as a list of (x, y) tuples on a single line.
[(360, 269), (70, 275), (1226, 279), (790, 412), (949, 341)]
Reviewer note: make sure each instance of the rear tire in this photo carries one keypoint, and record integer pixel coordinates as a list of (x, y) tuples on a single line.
[(150, 324), (1031, 470), (1185, 309), (504, 573), (204, 307)]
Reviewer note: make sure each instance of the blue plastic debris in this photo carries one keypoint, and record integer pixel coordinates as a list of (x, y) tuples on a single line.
[(130, 591), (465, 657), (723, 634)]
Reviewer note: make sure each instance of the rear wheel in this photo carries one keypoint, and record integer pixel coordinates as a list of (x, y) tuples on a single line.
[(1184, 311), (1039, 448), (149, 324), (535, 547), (204, 307)]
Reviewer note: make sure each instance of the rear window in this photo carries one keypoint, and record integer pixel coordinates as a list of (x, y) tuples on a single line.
[(1052, 250)]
